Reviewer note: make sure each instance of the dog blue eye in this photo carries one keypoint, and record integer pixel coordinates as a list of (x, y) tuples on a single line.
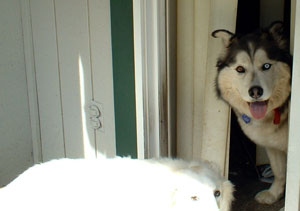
[(266, 66)]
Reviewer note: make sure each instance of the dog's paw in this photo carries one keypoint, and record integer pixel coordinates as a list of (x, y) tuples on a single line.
[(265, 197)]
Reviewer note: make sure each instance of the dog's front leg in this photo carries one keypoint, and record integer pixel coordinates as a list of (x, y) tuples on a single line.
[(278, 165)]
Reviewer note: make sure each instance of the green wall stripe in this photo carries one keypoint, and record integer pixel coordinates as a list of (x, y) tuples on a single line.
[(123, 73)]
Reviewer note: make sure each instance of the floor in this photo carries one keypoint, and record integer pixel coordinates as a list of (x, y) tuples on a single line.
[(244, 197), (244, 173)]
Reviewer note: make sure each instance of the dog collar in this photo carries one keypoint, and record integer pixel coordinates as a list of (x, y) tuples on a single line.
[(277, 114), (246, 119), (276, 120)]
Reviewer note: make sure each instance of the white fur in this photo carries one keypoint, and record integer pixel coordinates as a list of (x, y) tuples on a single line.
[(117, 184)]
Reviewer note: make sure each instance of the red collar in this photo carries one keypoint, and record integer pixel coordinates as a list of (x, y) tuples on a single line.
[(277, 114)]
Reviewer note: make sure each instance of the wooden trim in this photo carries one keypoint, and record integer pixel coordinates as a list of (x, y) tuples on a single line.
[(293, 169), (185, 82), (140, 65), (171, 51), (151, 78)]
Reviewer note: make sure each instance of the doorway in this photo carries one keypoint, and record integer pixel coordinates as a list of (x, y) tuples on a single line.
[(249, 167)]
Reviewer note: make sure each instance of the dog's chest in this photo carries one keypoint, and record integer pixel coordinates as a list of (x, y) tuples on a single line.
[(266, 133)]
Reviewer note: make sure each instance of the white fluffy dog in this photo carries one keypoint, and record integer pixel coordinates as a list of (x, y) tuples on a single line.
[(118, 184)]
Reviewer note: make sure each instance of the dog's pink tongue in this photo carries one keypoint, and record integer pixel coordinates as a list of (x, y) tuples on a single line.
[(258, 109)]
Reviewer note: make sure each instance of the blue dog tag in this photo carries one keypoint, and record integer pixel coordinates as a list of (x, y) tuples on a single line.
[(246, 119)]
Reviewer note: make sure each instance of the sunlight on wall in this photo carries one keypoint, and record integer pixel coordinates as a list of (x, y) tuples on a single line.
[(89, 149)]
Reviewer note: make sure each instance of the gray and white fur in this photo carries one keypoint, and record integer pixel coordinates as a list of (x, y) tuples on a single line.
[(254, 78)]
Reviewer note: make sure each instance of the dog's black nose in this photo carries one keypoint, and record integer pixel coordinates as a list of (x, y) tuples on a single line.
[(256, 92)]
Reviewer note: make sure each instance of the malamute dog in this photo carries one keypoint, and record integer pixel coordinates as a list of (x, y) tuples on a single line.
[(254, 77), (118, 184)]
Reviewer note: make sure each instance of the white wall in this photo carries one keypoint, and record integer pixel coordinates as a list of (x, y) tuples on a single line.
[(73, 65), (15, 130)]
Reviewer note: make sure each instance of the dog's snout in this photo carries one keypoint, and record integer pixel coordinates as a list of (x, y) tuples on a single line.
[(256, 92)]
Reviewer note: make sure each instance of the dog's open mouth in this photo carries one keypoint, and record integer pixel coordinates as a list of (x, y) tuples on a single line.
[(258, 109)]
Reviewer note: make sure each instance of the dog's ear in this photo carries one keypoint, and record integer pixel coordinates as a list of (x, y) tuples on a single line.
[(225, 35), (276, 30)]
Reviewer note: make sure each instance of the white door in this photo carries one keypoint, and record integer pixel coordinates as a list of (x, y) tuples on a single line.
[(73, 70)]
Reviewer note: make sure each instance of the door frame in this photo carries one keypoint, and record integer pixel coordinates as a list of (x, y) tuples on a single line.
[(203, 121), (292, 202), (155, 76)]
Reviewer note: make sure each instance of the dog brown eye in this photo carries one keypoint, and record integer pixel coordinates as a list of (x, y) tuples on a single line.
[(266, 66), (217, 193), (240, 69)]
